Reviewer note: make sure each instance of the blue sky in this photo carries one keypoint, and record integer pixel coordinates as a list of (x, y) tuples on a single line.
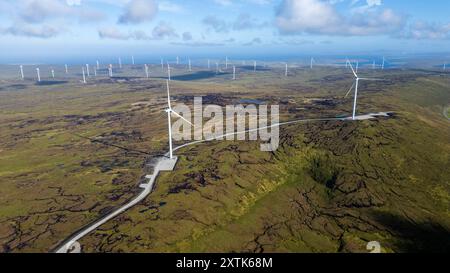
[(74, 29)]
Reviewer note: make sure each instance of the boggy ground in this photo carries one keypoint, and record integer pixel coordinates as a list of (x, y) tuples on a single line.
[(70, 154)]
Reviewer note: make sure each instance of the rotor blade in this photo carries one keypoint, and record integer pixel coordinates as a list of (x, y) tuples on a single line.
[(350, 90), (178, 115), (168, 94), (371, 79), (351, 66)]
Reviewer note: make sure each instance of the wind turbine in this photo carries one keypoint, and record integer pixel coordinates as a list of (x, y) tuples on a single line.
[(87, 69), (120, 63), (217, 68), (110, 71), (38, 72), (234, 72), (169, 112), (356, 84), (168, 71), (209, 64), (132, 60), (312, 62), (95, 72), (373, 65), (53, 73), (84, 76), (98, 65), (146, 70), (67, 69), (178, 60), (445, 67), (382, 65), (21, 72), (254, 66), (286, 71), (190, 67)]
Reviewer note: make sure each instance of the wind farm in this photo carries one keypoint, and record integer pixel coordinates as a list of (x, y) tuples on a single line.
[(204, 147)]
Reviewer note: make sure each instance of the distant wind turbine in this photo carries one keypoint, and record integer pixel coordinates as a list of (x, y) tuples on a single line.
[(170, 111), (382, 65), (120, 63), (87, 70), (132, 60), (209, 64), (66, 68), (84, 76), (38, 72), (98, 65), (168, 71), (190, 66), (312, 63), (286, 71), (21, 72), (53, 73), (254, 66), (146, 70), (234, 72), (110, 71)]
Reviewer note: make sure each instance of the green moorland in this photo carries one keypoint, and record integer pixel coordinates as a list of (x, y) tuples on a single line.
[(70, 153)]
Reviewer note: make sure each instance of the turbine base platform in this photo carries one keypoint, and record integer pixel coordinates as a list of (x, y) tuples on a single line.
[(168, 164)]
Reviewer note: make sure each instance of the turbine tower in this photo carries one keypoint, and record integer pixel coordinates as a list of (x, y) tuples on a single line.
[(120, 63), (356, 84), (146, 70), (168, 72), (66, 68), (38, 72), (170, 111), (84, 75), (98, 65), (312, 62), (53, 73), (382, 65), (190, 67), (209, 64), (286, 71), (234, 72), (110, 71), (254, 66), (132, 60), (21, 72), (87, 70)]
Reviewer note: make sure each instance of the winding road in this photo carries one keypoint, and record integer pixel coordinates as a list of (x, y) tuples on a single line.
[(70, 245)]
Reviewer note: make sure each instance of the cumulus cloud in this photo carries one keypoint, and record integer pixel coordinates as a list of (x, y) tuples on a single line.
[(187, 36), (216, 24), (138, 11), (321, 17), (426, 31), (27, 30), (161, 31), (38, 11)]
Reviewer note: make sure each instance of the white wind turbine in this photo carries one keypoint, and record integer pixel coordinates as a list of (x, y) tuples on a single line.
[(66, 68), (168, 72), (146, 70), (190, 66), (209, 64), (356, 84), (286, 71), (234, 72), (98, 65), (312, 63), (84, 75), (120, 63), (38, 72), (87, 70), (21, 72), (169, 112), (132, 60), (110, 71), (53, 73), (382, 65), (254, 66)]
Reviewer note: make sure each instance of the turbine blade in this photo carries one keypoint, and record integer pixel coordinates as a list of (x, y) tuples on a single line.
[(351, 66), (178, 115), (371, 79), (350, 90)]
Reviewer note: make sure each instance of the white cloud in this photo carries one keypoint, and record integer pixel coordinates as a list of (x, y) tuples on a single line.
[(321, 17), (138, 11)]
